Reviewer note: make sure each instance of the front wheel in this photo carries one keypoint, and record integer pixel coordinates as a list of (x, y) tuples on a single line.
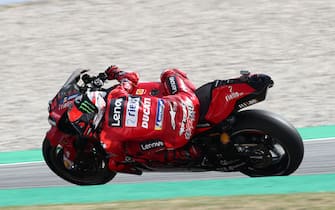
[(89, 168), (269, 145)]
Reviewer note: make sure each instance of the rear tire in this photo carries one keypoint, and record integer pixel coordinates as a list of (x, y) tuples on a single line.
[(281, 133), (100, 174)]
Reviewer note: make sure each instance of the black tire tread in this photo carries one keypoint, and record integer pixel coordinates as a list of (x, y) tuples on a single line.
[(47, 151), (278, 127)]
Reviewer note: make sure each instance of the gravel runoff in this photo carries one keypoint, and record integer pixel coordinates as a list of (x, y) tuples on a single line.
[(42, 42)]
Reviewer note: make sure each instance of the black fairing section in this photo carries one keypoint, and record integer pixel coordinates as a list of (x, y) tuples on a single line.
[(260, 81)]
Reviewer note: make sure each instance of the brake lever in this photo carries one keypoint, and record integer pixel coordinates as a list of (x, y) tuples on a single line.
[(98, 83)]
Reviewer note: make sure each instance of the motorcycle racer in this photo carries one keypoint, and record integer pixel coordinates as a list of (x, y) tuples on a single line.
[(164, 123), (132, 127)]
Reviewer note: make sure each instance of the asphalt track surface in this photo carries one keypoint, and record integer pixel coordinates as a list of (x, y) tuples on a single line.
[(318, 160)]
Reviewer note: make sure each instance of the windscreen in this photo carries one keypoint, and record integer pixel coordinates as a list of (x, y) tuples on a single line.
[(68, 92)]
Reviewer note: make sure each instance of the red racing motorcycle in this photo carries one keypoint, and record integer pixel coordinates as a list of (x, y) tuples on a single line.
[(253, 142)]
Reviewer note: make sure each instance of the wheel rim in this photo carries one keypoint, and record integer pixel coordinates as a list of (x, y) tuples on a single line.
[(270, 156), (89, 167)]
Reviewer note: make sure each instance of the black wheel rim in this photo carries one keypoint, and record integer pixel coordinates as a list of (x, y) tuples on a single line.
[(89, 167), (275, 159)]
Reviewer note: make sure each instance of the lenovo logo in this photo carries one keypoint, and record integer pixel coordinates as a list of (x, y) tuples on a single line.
[(116, 112), (151, 145)]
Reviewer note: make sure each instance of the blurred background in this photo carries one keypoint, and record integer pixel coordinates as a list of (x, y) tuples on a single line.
[(42, 42)]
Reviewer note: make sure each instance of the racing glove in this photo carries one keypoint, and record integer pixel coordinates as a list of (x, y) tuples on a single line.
[(114, 72)]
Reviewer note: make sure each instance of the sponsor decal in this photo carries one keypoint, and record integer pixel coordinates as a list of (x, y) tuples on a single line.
[(116, 112), (68, 98), (190, 109), (67, 101), (248, 103), (233, 95), (140, 91), (87, 107), (173, 109), (64, 105), (188, 119), (172, 84), (159, 115), (132, 111), (191, 118), (146, 112), (63, 97), (184, 120), (151, 145)]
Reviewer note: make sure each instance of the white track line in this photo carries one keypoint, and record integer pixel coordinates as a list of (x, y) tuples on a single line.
[(20, 163), (320, 139)]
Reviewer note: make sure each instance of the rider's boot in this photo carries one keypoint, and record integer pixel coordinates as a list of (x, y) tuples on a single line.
[(181, 154), (190, 153), (172, 155), (123, 167)]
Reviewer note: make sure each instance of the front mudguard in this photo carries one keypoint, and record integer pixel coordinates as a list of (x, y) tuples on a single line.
[(56, 136)]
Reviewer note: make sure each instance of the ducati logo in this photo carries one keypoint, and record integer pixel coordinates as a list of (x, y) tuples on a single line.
[(146, 112)]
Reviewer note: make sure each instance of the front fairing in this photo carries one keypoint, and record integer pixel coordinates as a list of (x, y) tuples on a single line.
[(64, 98)]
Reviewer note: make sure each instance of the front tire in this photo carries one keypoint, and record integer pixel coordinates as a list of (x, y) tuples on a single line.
[(94, 169), (273, 135)]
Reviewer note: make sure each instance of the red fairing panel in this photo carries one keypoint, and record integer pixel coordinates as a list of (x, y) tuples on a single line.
[(224, 99), (54, 135)]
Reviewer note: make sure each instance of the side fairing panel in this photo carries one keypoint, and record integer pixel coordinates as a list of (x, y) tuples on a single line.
[(224, 99)]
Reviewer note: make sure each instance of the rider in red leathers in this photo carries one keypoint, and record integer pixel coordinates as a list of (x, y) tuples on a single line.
[(166, 122), (160, 125)]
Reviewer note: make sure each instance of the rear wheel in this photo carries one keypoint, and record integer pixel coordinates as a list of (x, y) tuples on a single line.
[(89, 168), (268, 144)]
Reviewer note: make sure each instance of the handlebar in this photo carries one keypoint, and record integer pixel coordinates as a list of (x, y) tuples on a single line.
[(94, 81)]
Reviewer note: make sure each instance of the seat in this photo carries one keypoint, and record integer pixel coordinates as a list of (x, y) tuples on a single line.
[(204, 94)]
